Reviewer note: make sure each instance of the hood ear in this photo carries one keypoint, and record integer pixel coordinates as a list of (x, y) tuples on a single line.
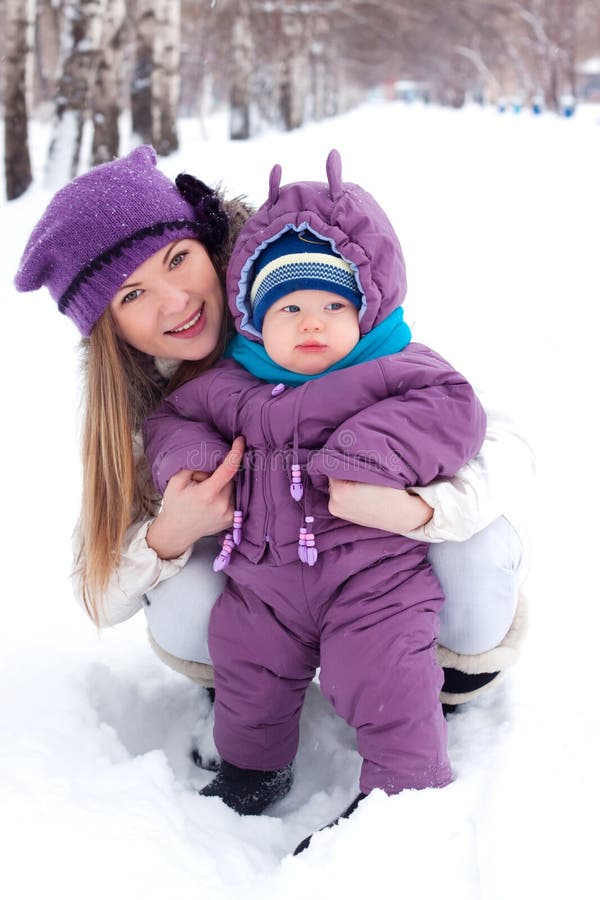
[(274, 182), (333, 167)]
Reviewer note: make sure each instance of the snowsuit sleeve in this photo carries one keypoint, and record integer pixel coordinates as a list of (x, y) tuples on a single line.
[(178, 435), (427, 427)]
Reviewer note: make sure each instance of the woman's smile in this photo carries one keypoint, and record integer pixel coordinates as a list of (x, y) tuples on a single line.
[(191, 326), (172, 305)]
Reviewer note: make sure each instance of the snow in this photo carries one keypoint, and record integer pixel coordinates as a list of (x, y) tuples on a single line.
[(498, 216)]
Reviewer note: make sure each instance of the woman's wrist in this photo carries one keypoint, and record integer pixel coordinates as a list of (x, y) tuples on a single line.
[(420, 512), (167, 541), (401, 512), (375, 506)]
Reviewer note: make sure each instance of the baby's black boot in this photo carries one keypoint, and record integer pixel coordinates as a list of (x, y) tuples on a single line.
[(345, 815), (204, 753), (249, 791)]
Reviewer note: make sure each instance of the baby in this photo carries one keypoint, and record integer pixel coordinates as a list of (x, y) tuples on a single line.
[(323, 381)]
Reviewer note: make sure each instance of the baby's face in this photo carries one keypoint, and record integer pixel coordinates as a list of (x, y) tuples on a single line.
[(308, 331)]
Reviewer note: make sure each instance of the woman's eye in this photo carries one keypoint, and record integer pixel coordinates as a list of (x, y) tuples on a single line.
[(132, 295), (177, 260)]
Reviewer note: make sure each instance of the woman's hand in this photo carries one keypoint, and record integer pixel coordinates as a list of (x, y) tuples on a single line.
[(377, 507), (195, 504)]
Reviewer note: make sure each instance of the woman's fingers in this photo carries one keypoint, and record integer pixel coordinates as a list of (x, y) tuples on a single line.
[(181, 479), (199, 476), (228, 469), (221, 477)]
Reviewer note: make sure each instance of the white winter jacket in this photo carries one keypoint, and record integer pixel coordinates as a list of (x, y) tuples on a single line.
[(497, 482)]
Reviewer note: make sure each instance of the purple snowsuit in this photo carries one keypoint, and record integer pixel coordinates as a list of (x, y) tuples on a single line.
[(367, 611)]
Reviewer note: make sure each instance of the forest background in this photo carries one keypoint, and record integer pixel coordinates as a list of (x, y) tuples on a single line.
[(273, 64)]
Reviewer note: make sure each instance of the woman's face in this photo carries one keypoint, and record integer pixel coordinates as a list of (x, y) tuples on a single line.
[(172, 305)]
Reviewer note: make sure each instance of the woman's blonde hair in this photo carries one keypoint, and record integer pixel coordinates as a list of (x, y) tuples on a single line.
[(122, 386), (120, 391)]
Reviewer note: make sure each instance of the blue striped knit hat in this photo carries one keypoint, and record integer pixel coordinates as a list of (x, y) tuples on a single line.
[(299, 261)]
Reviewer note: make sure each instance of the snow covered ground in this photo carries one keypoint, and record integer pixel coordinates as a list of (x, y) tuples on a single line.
[(498, 217)]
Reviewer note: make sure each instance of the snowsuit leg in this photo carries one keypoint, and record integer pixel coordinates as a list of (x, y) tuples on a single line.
[(379, 671), (262, 671)]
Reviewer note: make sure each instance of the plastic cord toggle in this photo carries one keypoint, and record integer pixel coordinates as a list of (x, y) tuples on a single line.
[(296, 489), (224, 556), (238, 518), (307, 550)]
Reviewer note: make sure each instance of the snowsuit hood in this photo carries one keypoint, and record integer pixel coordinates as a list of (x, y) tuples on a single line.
[(343, 214)]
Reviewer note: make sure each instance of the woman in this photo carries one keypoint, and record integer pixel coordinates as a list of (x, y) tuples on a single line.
[(139, 265)]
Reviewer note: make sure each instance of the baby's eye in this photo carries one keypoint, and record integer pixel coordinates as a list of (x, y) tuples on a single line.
[(335, 305), (177, 260), (132, 295), (291, 308)]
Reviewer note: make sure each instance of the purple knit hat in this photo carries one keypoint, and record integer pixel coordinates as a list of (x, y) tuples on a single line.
[(100, 227)]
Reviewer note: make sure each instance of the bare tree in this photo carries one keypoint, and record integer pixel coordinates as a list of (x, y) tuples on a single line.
[(106, 99), (554, 24), (80, 59), (242, 47), (18, 71), (283, 58), (271, 61), (156, 83), (141, 82), (521, 47), (196, 57), (165, 76), (290, 38), (46, 49)]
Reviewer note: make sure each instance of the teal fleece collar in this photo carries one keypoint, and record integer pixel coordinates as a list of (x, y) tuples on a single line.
[(390, 336)]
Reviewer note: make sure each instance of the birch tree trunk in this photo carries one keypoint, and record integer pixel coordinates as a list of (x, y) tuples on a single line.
[(165, 76), (155, 86), (320, 54), (565, 37), (45, 48), (105, 143), (17, 84), (141, 84), (242, 53), (80, 59), (294, 70)]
